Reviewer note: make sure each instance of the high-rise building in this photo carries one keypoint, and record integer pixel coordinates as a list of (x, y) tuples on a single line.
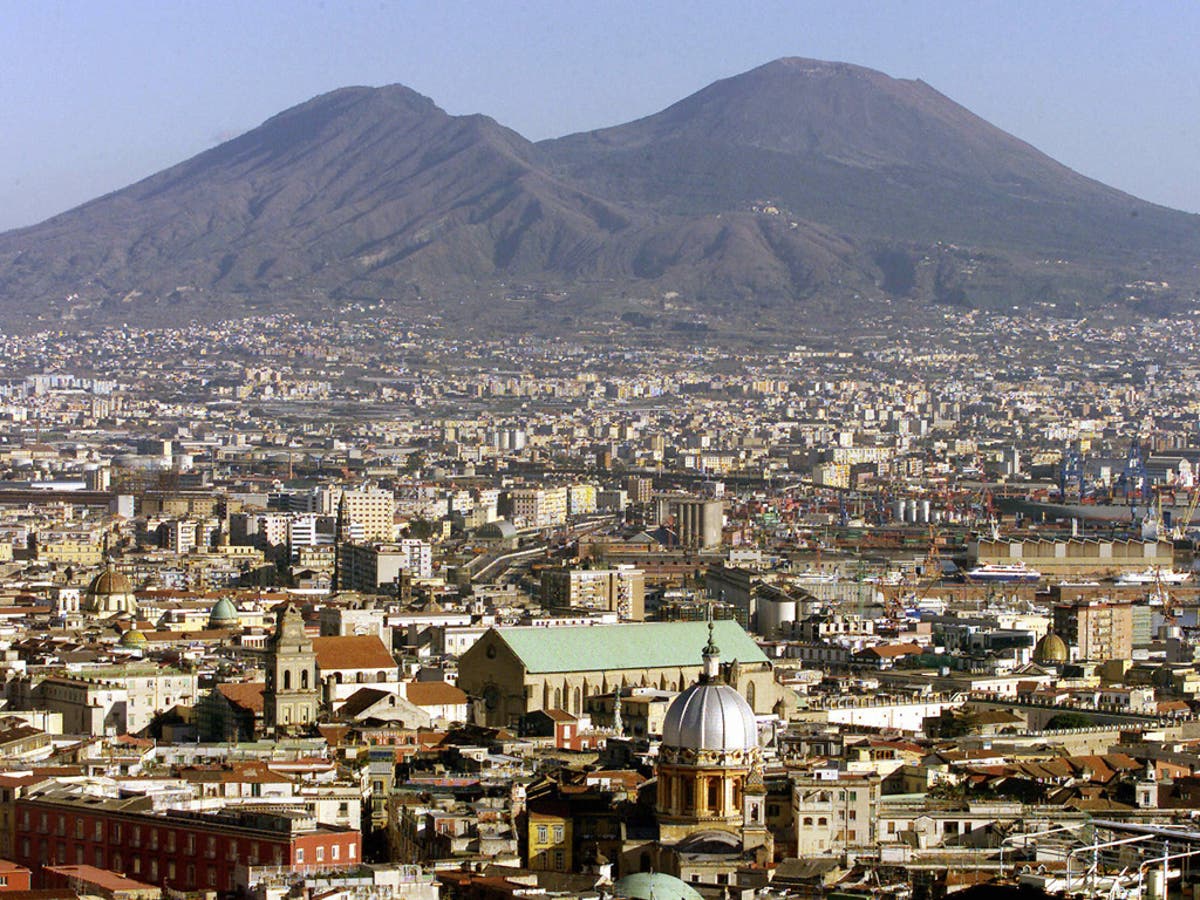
[(621, 590), (639, 488), (539, 507), (374, 567), (1098, 629)]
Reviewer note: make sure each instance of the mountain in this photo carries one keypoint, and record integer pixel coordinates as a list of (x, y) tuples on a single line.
[(798, 185)]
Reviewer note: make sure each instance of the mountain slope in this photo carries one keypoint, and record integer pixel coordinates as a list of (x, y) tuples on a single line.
[(797, 185), (353, 193), (857, 150)]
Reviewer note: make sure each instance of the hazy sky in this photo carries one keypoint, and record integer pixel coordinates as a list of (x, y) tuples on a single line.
[(96, 94)]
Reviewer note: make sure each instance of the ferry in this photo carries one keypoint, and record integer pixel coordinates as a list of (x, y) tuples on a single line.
[(1154, 576), (1006, 572)]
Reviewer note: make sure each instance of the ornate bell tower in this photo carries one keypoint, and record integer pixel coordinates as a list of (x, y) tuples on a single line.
[(291, 697)]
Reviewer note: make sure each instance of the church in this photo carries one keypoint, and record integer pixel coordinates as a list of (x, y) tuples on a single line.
[(510, 672), (710, 798)]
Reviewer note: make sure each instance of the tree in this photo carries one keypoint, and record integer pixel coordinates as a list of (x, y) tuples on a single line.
[(1069, 720)]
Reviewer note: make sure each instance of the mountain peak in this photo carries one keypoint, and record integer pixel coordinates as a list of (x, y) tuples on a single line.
[(799, 179)]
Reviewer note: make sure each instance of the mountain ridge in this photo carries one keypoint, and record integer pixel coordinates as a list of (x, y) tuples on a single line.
[(796, 182)]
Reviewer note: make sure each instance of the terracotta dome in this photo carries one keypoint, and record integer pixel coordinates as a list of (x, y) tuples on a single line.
[(110, 592), (109, 582)]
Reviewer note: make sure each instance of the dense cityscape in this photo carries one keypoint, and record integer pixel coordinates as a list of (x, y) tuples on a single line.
[(380, 608)]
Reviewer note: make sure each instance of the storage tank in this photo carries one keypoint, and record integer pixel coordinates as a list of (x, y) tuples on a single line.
[(773, 612)]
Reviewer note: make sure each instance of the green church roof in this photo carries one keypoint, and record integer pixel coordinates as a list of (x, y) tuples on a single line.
[(637, 645)]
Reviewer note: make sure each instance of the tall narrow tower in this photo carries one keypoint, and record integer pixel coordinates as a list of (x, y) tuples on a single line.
[(292, 696)]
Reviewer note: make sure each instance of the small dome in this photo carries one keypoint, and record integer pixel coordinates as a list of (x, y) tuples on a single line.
[(223, 614), (710, 716), (654, 886), (1051, 649), (133, 638)]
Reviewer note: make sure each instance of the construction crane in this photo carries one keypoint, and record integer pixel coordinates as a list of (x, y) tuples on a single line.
[(1134, 478), (1181, 529), (1071, 472)]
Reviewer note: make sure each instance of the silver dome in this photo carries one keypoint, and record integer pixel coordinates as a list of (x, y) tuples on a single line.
[(710, 716)]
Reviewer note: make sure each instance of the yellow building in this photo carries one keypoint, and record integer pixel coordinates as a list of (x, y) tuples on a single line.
[(549, 837)]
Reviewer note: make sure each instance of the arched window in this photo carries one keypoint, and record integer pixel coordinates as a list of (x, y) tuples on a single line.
[(337, 677), (304, 680), (557, 698), (822, 821), (578, 708), (808, 821), (750, 693), (714, 794), (287, 679), (546, 696), (381, 677)]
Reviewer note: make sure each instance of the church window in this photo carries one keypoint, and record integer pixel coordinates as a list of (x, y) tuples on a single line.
[(578, 706), (287, 679), (714, 794), (304, 680)]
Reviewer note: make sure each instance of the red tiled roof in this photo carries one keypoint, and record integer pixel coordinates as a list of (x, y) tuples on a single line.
[(246, 694), (355, 651), (435, 693)]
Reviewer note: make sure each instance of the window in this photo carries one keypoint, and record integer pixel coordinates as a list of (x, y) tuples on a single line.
[(808, 821), (320, 854), (190, 845), (559, 861), (154, 870), (351, 850), (170, 842), (79, 856), (99, 857), (543, 834), (116, 832), (854, 795), (299, 854), (822, 821), (79, 829), (336, 852), (558, 834), (287, 679), (170, 870)]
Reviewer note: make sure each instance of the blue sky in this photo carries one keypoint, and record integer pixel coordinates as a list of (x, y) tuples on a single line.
[(95, 94)]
